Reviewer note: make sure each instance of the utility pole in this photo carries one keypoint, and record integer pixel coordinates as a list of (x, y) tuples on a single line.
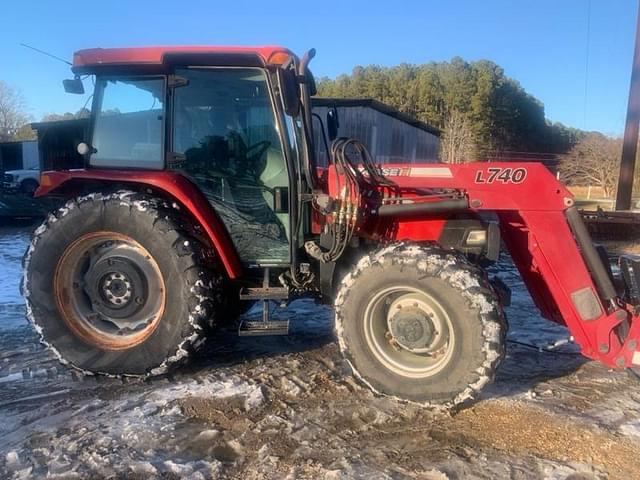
[(630, 140)]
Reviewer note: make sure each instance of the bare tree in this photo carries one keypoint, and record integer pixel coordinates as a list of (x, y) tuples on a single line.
[(456, 144), (13, 115), (593, 161)]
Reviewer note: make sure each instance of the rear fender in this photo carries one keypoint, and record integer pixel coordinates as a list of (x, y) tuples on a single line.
[(173, 184)]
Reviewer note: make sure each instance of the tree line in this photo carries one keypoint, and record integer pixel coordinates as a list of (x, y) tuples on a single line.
[(480, 110), (483, 114)]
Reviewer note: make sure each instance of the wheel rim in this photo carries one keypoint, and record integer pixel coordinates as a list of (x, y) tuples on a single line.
[(409, 331), (109, 290)]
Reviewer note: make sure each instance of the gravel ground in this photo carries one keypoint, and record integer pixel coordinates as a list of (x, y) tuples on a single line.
[(285, 407)]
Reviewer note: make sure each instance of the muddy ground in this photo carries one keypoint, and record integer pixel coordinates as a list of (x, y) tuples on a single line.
[(286, 407)]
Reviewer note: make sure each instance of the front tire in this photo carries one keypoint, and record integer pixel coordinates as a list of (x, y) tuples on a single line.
[(421, 324), (115, 284)]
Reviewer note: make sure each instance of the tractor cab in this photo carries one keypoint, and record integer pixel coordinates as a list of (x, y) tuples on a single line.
[(216, 126), (215, 116)]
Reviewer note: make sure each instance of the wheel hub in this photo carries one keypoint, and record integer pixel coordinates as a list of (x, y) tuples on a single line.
[(415, 325), (412, 328), (113, 282), (116, 288), (117, 291), (408, 331)]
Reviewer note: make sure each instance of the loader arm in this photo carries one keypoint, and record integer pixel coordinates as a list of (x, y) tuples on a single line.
[(545, 236)]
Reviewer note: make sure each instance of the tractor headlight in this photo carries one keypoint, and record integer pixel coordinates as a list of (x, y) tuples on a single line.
[(476, 238)]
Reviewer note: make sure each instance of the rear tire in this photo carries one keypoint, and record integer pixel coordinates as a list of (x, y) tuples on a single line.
[(421, 324), (114, 284)]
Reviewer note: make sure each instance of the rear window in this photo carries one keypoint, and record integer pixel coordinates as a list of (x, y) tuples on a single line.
[(128, 129)]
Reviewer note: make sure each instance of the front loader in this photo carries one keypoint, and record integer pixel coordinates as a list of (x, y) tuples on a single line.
[(201, 196)]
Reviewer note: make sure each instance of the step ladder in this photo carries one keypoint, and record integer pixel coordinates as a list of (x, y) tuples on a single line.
[(266, 294)]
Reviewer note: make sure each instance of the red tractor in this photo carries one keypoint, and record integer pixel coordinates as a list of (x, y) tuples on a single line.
[(201, 196)]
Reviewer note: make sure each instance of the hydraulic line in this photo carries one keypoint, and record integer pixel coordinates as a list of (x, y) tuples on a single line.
[(347, 214)]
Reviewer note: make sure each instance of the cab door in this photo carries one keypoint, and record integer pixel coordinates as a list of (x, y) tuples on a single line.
[(224, 130)]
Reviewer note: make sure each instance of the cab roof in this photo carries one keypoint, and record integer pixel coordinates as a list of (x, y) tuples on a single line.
[(158, 58)]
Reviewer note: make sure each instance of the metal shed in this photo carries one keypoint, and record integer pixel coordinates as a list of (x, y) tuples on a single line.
[(57, 142), (390, 135)]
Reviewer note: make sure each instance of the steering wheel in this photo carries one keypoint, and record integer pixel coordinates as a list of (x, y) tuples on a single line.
[(249, 156), (257, 149)]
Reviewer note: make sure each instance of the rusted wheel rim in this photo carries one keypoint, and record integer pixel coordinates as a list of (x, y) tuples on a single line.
[(109, 290), (409, 331)]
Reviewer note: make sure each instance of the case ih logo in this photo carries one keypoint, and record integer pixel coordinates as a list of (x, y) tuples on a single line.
[(394, 171), (434, 172), (501, 175)]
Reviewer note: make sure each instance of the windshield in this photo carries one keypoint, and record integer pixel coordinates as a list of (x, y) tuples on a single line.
[(128, 129)]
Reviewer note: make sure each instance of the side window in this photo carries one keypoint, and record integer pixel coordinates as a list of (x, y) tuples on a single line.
[(224, 125), (128, 130)]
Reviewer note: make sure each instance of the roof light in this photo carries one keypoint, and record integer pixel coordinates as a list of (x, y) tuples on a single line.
[(278, 58)]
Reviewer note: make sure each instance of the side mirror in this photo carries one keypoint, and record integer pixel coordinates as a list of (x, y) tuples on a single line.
[(333, 123), (288, 86), (73, 85)]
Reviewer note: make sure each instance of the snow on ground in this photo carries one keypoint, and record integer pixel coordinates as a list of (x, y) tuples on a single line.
[(286, 407)]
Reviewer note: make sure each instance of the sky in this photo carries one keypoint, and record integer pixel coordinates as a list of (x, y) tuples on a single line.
[(573, 55)]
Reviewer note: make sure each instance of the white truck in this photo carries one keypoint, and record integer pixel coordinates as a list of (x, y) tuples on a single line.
[(27, 178)]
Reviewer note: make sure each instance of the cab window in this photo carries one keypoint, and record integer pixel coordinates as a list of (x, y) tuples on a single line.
[(224, 126), (129, 120)]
